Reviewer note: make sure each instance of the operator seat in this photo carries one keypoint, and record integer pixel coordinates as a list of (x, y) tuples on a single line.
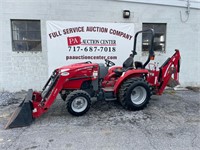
[(128, 64)]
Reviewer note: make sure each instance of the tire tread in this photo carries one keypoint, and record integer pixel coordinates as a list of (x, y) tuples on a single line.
[(70, 98), (123, 91)]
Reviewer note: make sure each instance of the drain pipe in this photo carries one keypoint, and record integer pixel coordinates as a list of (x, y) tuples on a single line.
[(187, 12)]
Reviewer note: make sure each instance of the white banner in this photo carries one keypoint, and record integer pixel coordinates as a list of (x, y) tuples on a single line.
[(72, 42)]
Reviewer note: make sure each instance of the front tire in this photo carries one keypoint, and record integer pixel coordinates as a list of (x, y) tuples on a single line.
[(63, 96), (134, 94), (64, 93), (78, 102)]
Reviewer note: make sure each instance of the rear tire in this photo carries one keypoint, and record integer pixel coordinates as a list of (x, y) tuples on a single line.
[(78, 102), (134, 94)]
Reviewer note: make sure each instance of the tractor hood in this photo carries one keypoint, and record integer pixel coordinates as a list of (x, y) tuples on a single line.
[(79, 66)]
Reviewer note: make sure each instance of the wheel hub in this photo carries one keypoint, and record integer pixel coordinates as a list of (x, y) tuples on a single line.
[(79, 104), (138, 95)]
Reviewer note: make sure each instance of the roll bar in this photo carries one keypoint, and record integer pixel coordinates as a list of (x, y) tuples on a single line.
[(151, 49)]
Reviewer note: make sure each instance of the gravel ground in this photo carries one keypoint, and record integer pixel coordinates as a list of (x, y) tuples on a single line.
[(8, 98), (171, 121)]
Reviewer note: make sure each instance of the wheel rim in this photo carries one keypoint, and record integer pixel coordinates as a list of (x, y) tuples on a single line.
[(79, 104), (138, 95)]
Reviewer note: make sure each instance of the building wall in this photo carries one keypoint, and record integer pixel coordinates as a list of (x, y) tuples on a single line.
[(176, 3), (30, 69), (1, 46)]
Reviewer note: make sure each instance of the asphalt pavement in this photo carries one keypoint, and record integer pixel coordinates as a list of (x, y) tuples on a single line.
[(170, 122)]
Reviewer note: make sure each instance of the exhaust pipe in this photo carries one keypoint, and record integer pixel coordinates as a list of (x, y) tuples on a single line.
[(22, 116)]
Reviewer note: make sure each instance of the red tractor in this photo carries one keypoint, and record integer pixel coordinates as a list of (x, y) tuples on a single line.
[(132, 84)]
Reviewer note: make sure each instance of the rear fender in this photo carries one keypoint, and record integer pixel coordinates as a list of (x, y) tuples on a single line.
[(114, 68), (129, 74), (111, 72)]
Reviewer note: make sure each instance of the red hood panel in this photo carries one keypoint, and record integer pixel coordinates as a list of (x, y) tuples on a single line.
[(78, 65)]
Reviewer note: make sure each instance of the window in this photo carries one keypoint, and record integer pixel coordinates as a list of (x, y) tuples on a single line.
[(26, 35), (160, 36)]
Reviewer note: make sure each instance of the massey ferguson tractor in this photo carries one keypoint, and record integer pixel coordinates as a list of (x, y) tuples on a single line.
[(132, 84)]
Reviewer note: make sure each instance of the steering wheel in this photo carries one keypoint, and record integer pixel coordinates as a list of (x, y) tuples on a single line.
[(109, 63), (88, 62)]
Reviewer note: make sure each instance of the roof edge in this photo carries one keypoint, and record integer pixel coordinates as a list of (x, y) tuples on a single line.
[(194, 4)]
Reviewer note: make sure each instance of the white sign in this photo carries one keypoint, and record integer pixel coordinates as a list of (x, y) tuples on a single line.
[(72, 42)]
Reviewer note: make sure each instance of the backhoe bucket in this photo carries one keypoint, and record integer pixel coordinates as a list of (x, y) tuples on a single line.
[(172, 83), (23, 114)]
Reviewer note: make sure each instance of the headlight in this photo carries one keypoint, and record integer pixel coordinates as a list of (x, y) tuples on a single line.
[(64, 72)]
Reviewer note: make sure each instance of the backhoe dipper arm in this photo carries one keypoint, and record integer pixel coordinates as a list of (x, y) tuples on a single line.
[(169, 71)]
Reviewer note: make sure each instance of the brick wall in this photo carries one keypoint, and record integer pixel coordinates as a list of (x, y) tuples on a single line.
[(30, 69)]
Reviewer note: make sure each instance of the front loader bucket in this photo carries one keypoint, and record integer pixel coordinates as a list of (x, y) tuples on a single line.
[(23, 114)]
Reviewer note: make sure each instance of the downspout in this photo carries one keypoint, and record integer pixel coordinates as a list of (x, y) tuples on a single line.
[(187, 12)]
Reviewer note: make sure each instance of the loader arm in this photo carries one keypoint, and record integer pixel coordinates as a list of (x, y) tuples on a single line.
[(37, 103), (42, 101)]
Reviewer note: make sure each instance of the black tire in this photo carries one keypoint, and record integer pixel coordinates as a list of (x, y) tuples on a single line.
[(63, 96), (78, 102), (134, 94)]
